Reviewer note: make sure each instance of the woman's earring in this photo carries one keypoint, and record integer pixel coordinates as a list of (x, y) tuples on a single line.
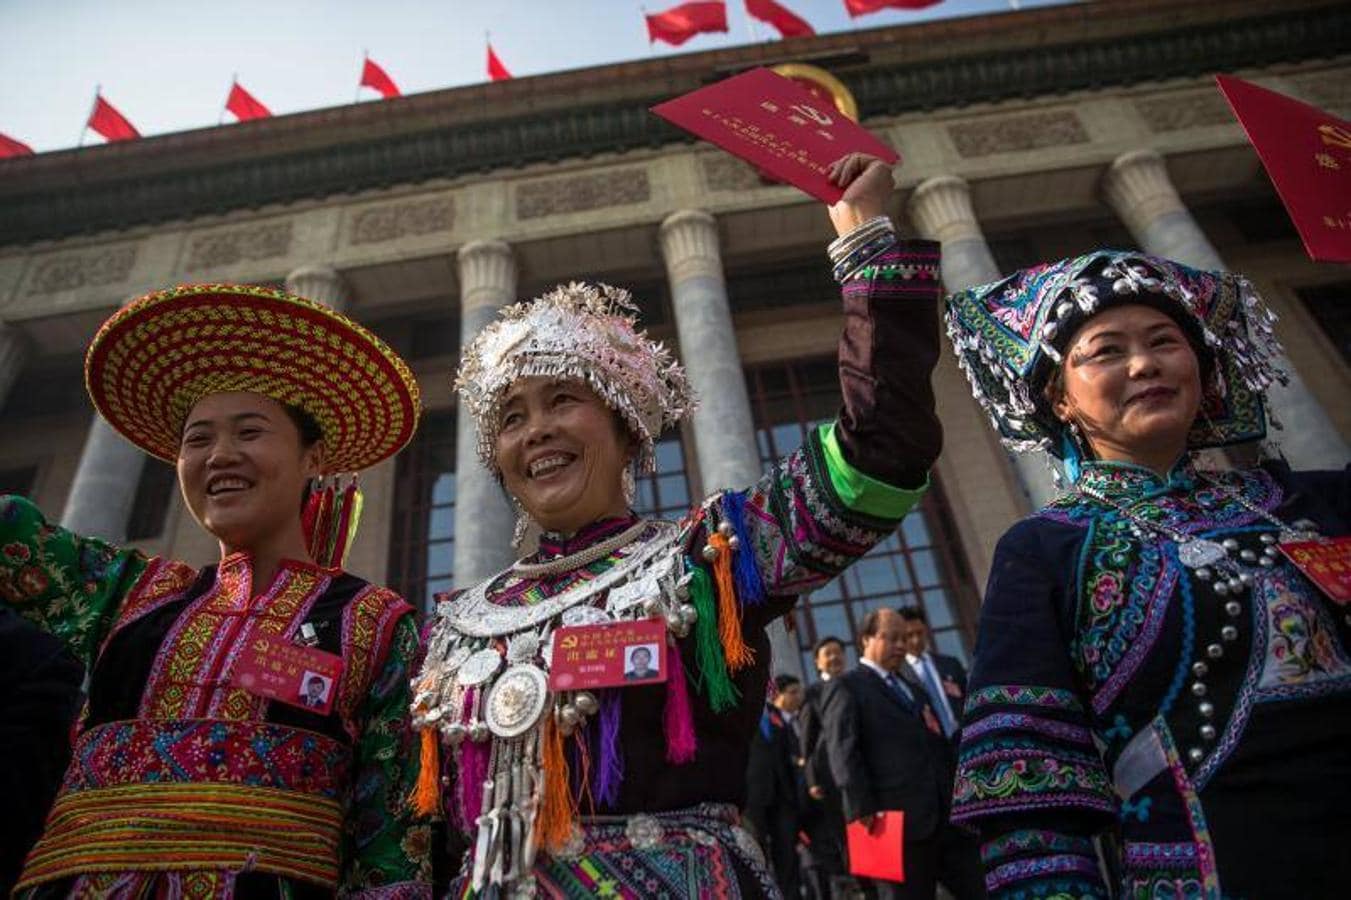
[(523, 523), (629, 484)]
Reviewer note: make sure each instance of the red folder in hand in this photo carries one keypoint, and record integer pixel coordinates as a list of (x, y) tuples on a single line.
[(876, 852)]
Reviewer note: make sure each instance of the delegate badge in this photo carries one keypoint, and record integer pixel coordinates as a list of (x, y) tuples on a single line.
[(1326, 562), (277, 669), (610, 654)]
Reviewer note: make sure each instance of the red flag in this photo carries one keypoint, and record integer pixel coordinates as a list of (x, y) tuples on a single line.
[(376, 78), (244, 105), (1307, 153), (11, 147), (496, 71), (109, 122), (863, 7), (680, 23), (783, 19)]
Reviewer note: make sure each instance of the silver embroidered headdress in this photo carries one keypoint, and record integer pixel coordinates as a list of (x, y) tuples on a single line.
[(583, 331), (1010, 335)]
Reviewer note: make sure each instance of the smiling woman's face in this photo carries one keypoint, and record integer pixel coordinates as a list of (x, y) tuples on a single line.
[(562, 453), (1132, 383), (242, 468)]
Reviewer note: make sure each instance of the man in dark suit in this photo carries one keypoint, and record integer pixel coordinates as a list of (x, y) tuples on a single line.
[(775, 789), (943, 677), (825, 874), (887, 752)]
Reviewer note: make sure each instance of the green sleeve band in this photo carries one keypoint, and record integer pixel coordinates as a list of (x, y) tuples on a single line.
[(861, 492)]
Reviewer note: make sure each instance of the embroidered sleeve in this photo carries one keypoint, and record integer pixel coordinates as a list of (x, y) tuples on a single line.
[(1029, 775), (389, 855), (69, 585)]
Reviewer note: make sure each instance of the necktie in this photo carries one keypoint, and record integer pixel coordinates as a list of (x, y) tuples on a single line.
[(936, 698), (900, 689)]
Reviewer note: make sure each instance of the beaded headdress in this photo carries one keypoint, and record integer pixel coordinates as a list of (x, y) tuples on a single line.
[(1010, 336), (583, 331)]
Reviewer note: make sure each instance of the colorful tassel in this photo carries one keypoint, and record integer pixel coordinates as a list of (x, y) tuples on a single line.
[(558, 807), (734, 647), (678, 717), (750, 587), (428, 788), (610, 771), (330, 519), (714, 680)]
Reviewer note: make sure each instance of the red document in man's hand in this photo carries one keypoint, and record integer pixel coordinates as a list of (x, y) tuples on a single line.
[(1307, 153), (875, 852), (776, 125)]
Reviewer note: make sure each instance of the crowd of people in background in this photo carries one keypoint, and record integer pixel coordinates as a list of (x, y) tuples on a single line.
[(879, 735)]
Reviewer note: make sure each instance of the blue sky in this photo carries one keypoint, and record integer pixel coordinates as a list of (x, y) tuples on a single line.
[(167, 64)]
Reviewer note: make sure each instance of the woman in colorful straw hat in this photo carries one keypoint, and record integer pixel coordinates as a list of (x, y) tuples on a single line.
[(569, 782), (203, 767), (1154, 662)]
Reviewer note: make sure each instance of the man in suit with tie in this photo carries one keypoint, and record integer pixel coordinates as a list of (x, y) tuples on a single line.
[(887, 751), (825, 873), (943, 677), (775, 789)]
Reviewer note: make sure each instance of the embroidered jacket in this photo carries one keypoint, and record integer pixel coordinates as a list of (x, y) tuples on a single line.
[(815, 512), (173, 761), (1117, 692)]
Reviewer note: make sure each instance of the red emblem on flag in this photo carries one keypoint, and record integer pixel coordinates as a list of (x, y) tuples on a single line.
[(110, 123), (244, 105), (680, 23), (376, 78), (780, 17), (1307, 153)]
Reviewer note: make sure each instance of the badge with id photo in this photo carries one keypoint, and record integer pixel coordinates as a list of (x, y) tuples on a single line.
[(277, 669), (611, 654)]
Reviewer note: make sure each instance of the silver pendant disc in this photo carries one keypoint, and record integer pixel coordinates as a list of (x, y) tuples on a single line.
[(1199, 552), (479, 667), (516, 701)]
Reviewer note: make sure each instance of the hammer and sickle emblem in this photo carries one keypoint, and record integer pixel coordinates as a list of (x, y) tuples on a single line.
[(569, 642), (1335, 136), (813, 113)]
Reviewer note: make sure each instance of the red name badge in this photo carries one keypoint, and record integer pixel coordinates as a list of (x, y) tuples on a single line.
[(279, 670), (876, 852), (1326, 562), (611, 654), (776, 125)]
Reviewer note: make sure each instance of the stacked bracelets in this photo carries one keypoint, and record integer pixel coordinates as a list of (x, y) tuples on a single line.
[(854, 250)]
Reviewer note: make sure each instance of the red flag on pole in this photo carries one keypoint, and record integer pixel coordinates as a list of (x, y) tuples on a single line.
[(680, 23), (863, 7), (11, 147), (244, 105), (496, 71), (376, 78), (780, 17), (110, 123)]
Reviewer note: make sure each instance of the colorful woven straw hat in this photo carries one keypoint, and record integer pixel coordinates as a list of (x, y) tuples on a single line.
[(583, 331), (1010, 336), (157, 356)]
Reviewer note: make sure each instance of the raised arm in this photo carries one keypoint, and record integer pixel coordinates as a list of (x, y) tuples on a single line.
[(69, 585)]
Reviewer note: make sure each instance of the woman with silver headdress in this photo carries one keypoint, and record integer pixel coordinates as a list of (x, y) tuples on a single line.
[(1151, 663), (632, 791)]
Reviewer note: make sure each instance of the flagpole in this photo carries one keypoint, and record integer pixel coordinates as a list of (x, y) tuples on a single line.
[(98, 90), (651, 44), (234, 80)]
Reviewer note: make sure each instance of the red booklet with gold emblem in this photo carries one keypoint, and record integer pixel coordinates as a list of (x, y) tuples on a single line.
[(1307, 153), (776, 125), (876, 852)]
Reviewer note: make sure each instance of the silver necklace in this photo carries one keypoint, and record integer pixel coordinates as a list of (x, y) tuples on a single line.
[(1194, 552), (581, 558)]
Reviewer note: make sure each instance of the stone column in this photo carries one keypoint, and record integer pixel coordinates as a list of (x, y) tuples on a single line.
[(13, 356), (724, 431), (321, 283), (941, 208), (104, 489), (484, 520), (1138, 189)]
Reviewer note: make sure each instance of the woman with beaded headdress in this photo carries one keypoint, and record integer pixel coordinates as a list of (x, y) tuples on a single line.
[(202, 765), (1152, 666), (632, 791)]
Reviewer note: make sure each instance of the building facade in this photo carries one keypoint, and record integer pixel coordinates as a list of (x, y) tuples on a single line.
[(1025, 136)]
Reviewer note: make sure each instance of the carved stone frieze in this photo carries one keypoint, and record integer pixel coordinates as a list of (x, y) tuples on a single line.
[(84, 268), (250, 242), (1011, 134), (391, 221), (1178, 112), (581, 193), (723, 172)]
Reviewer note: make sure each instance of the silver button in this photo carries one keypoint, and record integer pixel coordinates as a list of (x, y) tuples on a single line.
[(1199, 669), (1233, 608), (1198, 689), (1195, 754), (1214, 651), (1229, 633), (1206, 708), (1207, 732)]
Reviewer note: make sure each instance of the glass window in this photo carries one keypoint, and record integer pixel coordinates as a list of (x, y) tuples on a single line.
[(422, 539), (665, 494)]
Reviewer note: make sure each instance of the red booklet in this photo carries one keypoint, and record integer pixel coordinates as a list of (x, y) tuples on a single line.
[(876, 852), (1326, 562), (776, 125), (1307, 153)]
